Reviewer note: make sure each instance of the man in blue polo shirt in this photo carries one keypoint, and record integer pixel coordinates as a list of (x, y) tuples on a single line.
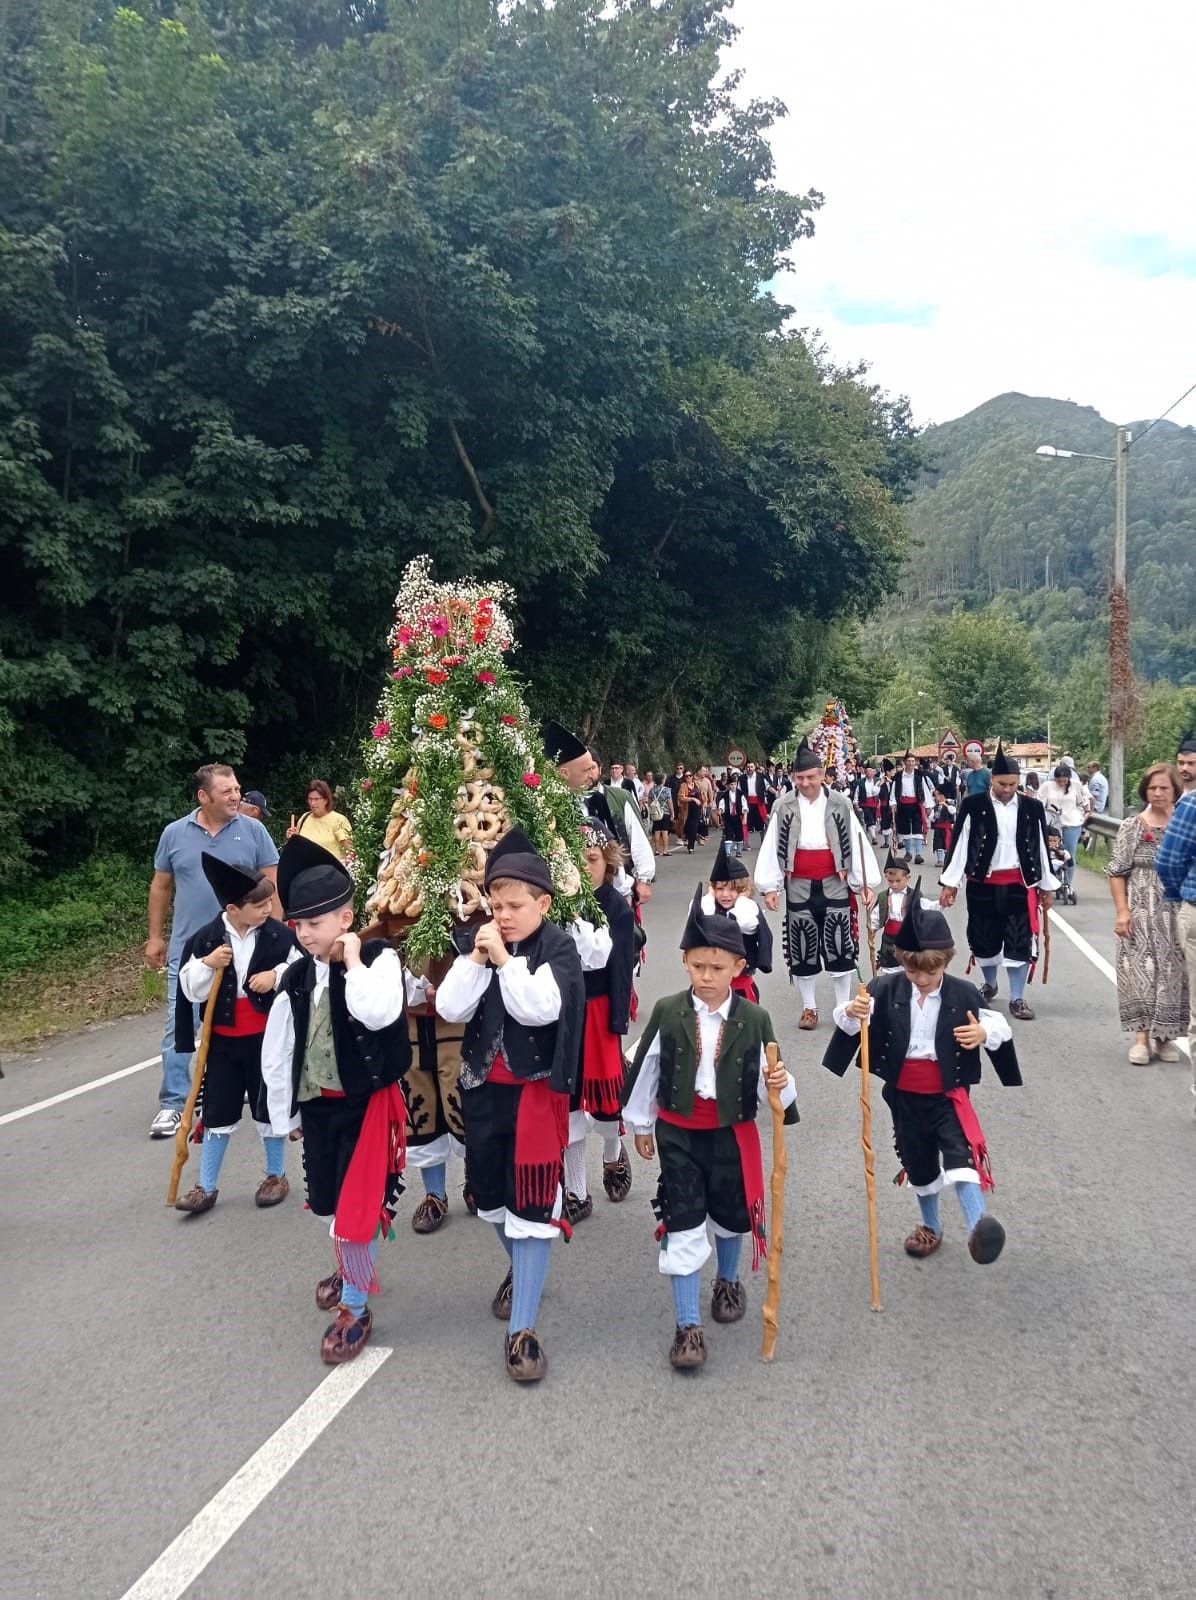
[(216, 826)]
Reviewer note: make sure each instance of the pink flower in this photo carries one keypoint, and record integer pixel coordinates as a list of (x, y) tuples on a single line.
[(451, 661), (403, 672), (380, 730), (485, 677), (532, 779), (366, 785), (438, 627), (405, 635)]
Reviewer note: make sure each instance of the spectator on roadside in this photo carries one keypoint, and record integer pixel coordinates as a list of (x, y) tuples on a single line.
[(321, 824), (658, 801), (180, 890), (977, 779), (1152, 984), (632, 783), (1175, 863), (1185, 761), (1066, 797), (1098, 788), (253, 804), (705, 785), (689, 811)]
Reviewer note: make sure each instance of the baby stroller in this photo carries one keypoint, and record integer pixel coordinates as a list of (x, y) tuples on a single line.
[(1063, 863)]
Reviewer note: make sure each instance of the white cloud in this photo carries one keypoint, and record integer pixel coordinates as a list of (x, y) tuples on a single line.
[(1023, 172)]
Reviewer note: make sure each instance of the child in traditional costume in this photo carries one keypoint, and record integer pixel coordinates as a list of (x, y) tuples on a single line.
[(335, 1048), (608, 958), (942, 823), (925, 1032), (731, 804), (699, 1076), (521, 994), (730, 894), (253, 950)]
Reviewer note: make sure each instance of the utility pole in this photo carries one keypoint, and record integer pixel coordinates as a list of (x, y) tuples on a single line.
[(1120, 668)]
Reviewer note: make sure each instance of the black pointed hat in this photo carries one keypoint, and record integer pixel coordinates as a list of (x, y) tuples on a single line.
[(711, 933), (560, 745), (909, 754), (515, 856), (900, 863), (1004, 766), (726, 869), (311, 880), (886, 765), (1187, 745), (804, 759), (230, 880), (921, 929)]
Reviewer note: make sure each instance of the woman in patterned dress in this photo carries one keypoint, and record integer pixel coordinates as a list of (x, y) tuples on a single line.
[(1152, 979)]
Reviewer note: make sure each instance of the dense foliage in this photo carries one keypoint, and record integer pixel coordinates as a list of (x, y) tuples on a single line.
[(292, 290)]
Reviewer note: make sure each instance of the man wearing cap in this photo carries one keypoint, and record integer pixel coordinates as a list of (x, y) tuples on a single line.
[(217, 827), (1185, 761), (815, 847), (253, 804), (335, 1048), (999, 844), (521, 993)]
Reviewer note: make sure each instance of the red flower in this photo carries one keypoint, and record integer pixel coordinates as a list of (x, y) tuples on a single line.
[(405, 635), (511, 722), (403, 672), (438, 721), (436, 678), (380, 730), (366, 785), (479, 635), (485, 677), (532, 779), (451, 661)]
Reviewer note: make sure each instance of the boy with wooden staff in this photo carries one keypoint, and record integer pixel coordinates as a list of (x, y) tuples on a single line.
[(926, 1030), (700, 1073)]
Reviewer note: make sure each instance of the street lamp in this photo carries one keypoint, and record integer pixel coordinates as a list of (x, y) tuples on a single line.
[(1120, 678)]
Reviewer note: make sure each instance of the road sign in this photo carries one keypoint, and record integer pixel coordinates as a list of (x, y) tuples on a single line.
[(948, 743), (974, 750), (735, 758)]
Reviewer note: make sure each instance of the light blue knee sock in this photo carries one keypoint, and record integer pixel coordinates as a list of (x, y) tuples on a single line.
[(727, 1251), (971, 1202), (928, 1205), (989, 969), (433, 1178), (211, 1158), (1017, 980), (353, 1297), (685, 1299), (529, 1264), (276, 1155), (500, 1230)]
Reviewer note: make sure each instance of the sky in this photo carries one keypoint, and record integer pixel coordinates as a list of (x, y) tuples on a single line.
[(1008, 193)]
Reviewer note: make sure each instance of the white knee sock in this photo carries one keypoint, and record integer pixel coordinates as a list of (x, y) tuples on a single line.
[(575, 1169), (806, 990), (611, 1143), (844, 982)]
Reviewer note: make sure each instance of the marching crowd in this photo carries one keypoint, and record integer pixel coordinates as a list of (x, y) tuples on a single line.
[(510, 1050)]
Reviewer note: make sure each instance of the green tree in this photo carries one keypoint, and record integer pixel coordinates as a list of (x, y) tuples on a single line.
[(985, 669)]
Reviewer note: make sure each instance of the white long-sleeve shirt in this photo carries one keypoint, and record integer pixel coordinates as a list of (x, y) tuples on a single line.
[(594, 945), (373, 994), (195, 976), (745, 911), (924, 1020), (863, 867), (898, 906), (532, 998), (1004, 856), (640, 1110)]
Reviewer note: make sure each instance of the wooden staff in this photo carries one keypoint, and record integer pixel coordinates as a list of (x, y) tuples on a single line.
[(182, 1133), (1046, 941), (776, 1241), (871, 937), (866, 1147)]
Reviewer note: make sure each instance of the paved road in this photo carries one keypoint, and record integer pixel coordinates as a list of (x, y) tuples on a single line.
[(1025, 1431)]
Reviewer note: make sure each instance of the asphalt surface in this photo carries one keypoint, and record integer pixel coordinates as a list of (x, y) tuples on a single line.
[(1026, 1430)]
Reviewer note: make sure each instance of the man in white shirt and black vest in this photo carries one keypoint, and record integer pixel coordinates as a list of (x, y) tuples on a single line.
[(1000, 845)]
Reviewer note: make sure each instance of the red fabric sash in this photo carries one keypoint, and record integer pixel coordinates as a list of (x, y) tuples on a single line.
[(945, 829), (745, 985), (893, 926), (920, 1075), (1007, 875), (541, 1134), (601, 1061), (378, 1158), (757, 805), (872, 803), (247, 1020), (1007, 878), (751, 1164), (973, 1133), (815, 864)]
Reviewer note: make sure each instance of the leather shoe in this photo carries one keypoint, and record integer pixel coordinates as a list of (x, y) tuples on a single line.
[(728, 1303), (1022, 1010), (808, 1020), (347, 1336), (272, 1191), (688, 1350), (197, 1200), (429, 1213), (923, 1241), (986, 1240), (526, 1360)]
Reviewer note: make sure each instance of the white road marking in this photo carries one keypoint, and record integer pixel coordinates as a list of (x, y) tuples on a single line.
[(1099, 962), (84, 1088), (177, 1568)]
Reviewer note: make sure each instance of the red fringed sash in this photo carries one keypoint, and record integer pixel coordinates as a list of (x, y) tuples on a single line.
[(541, 1134), (601, 1061), (745, 985), (378, 1158), (973, 1133), (751, 1164)]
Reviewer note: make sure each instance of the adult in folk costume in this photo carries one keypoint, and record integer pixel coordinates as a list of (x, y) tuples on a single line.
[(614, 807), (760, 795), (864, 790), (999, 845), (913, 795), (815, 847)]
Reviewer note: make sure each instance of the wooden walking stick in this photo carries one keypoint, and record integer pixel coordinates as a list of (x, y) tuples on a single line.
[(776, 1242), (866, 1147), (871, 937), (183, 1132)]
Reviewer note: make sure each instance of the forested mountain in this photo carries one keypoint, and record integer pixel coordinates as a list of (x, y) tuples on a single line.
[(991, 520)]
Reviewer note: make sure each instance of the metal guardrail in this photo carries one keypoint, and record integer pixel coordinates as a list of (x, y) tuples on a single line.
[(1103, 827)]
